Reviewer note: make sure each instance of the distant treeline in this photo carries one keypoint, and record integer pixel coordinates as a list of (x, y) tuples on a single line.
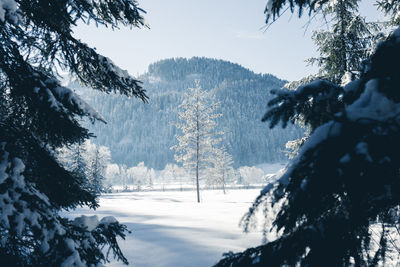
[(137, 132)]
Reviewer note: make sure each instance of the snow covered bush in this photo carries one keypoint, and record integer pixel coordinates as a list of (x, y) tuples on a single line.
[(140, 176), (113, 174), (251, 175), (172, 174), (39, 116)]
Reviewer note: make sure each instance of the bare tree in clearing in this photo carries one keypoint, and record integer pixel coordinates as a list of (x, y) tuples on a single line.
[(199, 137)]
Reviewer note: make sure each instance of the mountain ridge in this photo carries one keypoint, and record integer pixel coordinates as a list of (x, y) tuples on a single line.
[(143, 132)]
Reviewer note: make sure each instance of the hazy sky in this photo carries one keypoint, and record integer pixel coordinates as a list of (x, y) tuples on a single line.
[(232, 30)]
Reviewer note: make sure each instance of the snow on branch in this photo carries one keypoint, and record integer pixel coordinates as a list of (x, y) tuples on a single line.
[(9, 9), (64, 97)]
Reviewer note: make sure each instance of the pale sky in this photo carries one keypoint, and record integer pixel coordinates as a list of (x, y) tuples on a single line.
[(232, 30)]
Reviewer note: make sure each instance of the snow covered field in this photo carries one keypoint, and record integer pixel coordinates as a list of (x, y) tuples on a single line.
[(171, 229)]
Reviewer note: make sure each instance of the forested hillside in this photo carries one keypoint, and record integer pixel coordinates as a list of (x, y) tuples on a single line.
[(138, 132)]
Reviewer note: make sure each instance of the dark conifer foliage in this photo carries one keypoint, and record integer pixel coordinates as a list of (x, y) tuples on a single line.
[(391, 8), (348, 40), (314, 104), (274, 8), (38, 115), (339, 198)]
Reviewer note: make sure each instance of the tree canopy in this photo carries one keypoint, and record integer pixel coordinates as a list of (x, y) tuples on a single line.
[(38, 115), (339, 199)]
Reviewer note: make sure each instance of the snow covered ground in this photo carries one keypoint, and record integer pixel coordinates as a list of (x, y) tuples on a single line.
[(171, 229)]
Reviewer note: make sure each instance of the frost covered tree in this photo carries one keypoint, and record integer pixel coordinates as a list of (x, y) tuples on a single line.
[(78, 159), (38, 116), (75, 159), (98, 158), (112, 174), (140, 176), (198, 121), (172, 173), (339, 199), (151, 175), (167, 175), (251, 175), (124, 176), (221, 171)]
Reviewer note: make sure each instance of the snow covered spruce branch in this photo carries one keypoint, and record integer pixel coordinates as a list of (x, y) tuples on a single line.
[(38, 116), (344, 183)]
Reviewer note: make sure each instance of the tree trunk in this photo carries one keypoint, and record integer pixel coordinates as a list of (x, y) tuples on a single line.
[(223, 182), (343, 38), (197, 156)]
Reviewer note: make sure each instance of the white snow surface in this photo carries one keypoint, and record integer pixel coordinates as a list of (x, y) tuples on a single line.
[(372, 105), (172, 229), (90, 222), (9, 8)]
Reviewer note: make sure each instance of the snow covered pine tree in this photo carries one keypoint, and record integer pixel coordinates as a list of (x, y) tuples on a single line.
[(38, 115), (348, 40), (339, 199), (98, 157)]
